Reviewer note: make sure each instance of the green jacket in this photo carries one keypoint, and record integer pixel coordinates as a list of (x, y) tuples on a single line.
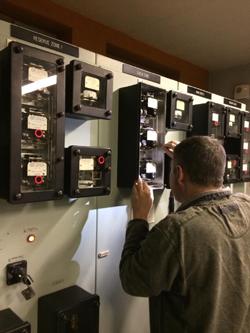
[(194, 265)]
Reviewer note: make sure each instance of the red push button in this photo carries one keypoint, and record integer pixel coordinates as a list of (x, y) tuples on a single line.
[(101, 160)]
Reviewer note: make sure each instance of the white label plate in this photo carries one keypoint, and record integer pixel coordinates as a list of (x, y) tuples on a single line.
[(36, 74), (37, 122), (37, 169), (86, 164)]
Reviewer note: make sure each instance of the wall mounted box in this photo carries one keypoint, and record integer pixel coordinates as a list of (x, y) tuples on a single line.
[(233, 169), (209, 119), (88, 91), (141, 132), (233, 123), (71, 310), (179, 111), (32, 125), (87, 171), (11, 323), (245, 147)]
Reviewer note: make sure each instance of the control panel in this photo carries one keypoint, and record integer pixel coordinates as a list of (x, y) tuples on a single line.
[(32, 128), (87, 171), (88, 91), (141, 130), (179, 111)]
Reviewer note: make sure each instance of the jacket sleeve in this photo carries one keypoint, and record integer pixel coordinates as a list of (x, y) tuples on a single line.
[(149, 262)]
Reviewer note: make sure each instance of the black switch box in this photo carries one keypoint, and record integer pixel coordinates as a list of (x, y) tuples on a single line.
[(71, 310), (89, 91), (209, 119), (11, 323), (87, 171), (179, 111)]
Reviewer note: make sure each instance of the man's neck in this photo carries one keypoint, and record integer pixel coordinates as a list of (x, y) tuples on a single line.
[(195, 191)]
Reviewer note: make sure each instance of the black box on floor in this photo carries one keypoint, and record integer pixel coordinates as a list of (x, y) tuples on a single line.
[(69, 310), (11, 323)]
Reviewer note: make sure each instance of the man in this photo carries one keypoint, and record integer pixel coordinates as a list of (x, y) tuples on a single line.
[(195, 264)]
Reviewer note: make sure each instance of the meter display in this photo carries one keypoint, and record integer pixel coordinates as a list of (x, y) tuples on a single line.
[(87, 171), (89, 91), (141, 132), (179, 111), (35, 124)]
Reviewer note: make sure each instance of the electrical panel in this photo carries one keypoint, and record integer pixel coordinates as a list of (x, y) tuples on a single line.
[(179, 111), (245, 147), (88, 91), (141, 132), (32, 126), (11, 323), (71, 310), (209, 119), (87, 171)]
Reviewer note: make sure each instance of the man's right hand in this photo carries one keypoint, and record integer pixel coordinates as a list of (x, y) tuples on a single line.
[(169, 148)]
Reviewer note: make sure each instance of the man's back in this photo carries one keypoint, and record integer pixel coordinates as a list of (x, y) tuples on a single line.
[(213, 246), (203, 267)]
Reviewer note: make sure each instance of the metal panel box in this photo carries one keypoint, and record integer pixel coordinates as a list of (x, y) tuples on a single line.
[(32, 124), (11, 323), (71, 310), (89, 91), (87, 171)]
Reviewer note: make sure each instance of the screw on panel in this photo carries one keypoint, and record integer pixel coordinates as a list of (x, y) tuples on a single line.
[(77, 191), (108, 113), (174, 94), (77, 107), (60, 114), (77, 152), (173, 123), (18, 49), (190, 126), (60, 61), (18, 196), (78, 66), (107, 190), (108, 152), (60, 158), (59, 193), (191, 99), (109, 76)]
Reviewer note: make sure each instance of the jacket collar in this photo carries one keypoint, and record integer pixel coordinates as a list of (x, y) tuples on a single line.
[(204, 197)]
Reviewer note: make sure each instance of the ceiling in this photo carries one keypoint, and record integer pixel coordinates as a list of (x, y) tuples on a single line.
[(213, 34)]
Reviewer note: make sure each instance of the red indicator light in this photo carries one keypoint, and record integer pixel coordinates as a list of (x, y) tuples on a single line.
[(38, 133), (38, 180), (101, 160)]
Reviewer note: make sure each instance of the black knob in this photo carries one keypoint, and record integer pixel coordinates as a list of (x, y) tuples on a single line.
[(173, 123), (60, 158)]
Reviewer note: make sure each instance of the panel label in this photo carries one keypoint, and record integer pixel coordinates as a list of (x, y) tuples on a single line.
[(232, 103), (141, 73), (37, 122), (199, 92), (36, 74), (151, 135), (36, 169), (43, 40), (215, 117), (86, 164), (152, 103)]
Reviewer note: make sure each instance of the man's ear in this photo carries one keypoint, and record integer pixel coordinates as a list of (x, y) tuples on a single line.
[(179, 174)]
